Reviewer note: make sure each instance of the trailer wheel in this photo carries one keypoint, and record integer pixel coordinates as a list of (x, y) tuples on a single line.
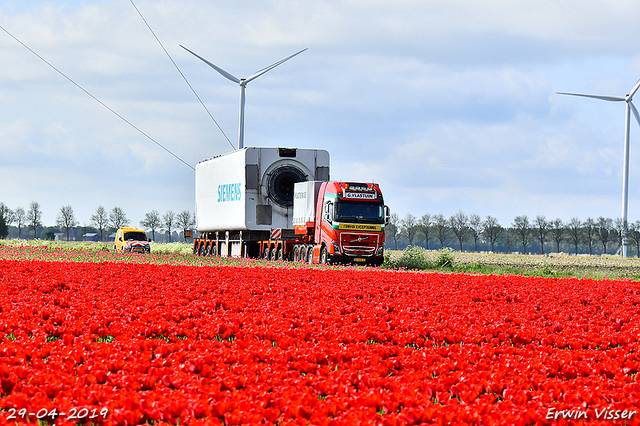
[(272, 253), (279, 254), (205, 252), (324, 255)]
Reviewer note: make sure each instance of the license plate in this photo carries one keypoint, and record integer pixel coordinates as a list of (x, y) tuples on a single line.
[(360, 259)]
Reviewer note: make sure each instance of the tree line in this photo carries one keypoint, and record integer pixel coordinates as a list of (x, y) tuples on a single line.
[(101, 221), (540, 235), (432, 231)]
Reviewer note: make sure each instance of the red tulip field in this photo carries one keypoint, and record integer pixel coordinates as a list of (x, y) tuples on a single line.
[(114, 341)]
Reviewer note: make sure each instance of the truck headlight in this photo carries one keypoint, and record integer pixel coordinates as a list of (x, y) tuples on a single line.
[(336, 248)]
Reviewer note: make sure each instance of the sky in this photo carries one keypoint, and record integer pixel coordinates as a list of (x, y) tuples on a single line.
[(448, 105)]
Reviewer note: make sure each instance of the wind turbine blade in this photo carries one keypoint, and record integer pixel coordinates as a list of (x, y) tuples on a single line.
[(634, 90), (220, 70), (635, 112), (280, 61), (272, 66), (603, 98)]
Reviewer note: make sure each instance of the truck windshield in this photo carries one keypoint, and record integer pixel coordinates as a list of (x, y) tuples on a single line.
[(359, 212), (135, 236)]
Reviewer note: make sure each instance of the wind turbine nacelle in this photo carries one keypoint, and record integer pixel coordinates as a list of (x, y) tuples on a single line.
[(251, 189)]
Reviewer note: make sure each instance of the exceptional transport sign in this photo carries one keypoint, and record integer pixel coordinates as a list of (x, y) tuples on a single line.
[(359, 227)]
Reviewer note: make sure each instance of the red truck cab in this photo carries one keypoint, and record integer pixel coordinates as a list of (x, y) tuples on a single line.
[(349, 224)]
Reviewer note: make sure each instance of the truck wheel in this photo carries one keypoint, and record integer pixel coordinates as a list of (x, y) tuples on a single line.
[(310, 255), (272, 253), (205, 252), (279, 254), (296, 253), (324, 255)]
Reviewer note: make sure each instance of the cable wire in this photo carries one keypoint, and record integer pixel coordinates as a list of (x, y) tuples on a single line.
[(183, 76), (96, 99)]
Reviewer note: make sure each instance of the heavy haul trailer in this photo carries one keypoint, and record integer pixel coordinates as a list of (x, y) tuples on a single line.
[(296, 218), (243, 195)]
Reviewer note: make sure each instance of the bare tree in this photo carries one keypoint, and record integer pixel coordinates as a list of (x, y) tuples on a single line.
[(66, 219), (408, 227), (4, 229), (557, 232), (604, 233), (7, 213), (574, 231), (491, 230), (442, 230), (617, 232), (509, 237), (118, 218), (522, 229), (168, 221), (459, 224), (542, 230), (391, 229), (33, 216), (20, 218), (424, 226), (589, 233), (100, 219), (185, 221), (6, 217), (475, 228), (152, 221), (634, 233)]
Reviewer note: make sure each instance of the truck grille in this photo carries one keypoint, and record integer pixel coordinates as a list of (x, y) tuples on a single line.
[(358, 243)]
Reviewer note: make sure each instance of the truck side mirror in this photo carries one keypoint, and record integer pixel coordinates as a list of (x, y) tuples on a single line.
[(327, 212), (387, 215)]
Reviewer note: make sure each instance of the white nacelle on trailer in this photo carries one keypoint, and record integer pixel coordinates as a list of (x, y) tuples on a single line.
[(253, 188)]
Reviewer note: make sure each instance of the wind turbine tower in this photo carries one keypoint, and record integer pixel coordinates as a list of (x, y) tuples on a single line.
[(625, 169), (243, 83)]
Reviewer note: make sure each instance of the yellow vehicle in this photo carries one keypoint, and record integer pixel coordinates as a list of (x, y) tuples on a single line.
[(133, 240)]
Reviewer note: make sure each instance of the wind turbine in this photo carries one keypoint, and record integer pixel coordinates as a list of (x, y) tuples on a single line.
[(625, 174), (243, 83)]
